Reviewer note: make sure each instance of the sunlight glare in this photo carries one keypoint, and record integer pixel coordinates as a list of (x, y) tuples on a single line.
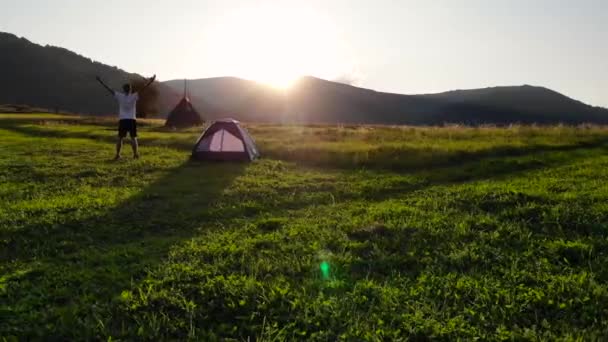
[(276, 45)]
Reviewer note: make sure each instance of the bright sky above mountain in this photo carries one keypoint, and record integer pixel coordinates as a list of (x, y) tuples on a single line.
[(405, 46)]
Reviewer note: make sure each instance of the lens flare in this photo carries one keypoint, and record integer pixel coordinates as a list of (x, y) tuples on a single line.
[(325, 270)]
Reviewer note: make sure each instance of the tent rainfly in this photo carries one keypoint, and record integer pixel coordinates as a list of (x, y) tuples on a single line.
[(225, 140), (184, 115)]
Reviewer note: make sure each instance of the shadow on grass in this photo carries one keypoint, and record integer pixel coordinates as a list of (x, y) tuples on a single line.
[(382, 158), (104, 133), (63, 277), (434, 166), (404, 159), (72, 272)]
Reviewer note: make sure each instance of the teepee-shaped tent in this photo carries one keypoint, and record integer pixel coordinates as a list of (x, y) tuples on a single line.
[(225, 140), (184, 115)]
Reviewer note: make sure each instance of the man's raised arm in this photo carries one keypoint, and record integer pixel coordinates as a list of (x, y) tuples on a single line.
[(104, 85), (150, 81)]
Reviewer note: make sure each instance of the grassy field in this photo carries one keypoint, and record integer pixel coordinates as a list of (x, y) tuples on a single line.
[(337, 233)]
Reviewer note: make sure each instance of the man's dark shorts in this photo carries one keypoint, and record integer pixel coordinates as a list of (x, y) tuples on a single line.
[(127, 125)]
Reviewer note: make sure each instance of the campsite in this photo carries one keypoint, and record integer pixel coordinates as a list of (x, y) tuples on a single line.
[(474, 234), (322, 170)]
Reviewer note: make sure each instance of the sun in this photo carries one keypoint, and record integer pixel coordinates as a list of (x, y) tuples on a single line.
[(275, 45)]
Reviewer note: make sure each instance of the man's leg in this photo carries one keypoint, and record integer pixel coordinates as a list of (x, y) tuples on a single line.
[(133, 134), (118, 147), (122, 133), (135, 147)]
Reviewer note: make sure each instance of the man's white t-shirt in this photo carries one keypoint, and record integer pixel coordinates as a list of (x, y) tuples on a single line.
[(127, 105)]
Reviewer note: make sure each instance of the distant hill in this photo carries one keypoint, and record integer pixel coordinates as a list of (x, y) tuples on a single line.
[(320, 101), (56, 78), (522, 104)]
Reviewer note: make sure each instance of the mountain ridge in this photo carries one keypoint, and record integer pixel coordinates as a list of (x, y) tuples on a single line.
[(318, 100), (60, 79), (57, 78)]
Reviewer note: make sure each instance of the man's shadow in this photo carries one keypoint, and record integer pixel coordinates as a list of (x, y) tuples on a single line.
[(76, 264)]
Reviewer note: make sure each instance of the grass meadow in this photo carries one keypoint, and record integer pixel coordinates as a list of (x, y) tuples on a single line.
[(339, 233)]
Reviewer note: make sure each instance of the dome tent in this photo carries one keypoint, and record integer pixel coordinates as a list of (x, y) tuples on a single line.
[(225, 140)]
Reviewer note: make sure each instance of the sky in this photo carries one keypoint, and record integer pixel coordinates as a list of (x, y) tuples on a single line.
[(401, 46)]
